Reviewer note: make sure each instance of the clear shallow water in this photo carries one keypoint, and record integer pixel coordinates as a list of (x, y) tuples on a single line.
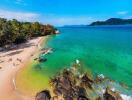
[(102, 50)]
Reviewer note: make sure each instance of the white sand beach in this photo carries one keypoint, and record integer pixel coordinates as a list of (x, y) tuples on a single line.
[(10, 62)]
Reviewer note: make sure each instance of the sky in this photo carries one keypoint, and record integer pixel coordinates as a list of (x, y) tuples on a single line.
[(65, 12)]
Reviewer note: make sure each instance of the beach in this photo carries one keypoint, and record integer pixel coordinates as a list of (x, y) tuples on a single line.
[(11, 62)]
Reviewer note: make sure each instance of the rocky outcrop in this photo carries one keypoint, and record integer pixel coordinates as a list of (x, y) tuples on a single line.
[(43, 95), (70, 84)]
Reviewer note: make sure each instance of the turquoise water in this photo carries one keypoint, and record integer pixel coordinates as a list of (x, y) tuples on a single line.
[(102, 50)]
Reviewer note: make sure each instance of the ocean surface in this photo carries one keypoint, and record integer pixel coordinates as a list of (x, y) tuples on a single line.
[(103, 50)]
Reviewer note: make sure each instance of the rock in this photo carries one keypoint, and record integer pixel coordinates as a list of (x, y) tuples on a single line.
[(110, 95), (99, 78), (87, 81), (68, 98), (54, 98), (44, 95), (65, 83), (82, 98), (98, 98), (61, 86), (82, 91), (71, 86)]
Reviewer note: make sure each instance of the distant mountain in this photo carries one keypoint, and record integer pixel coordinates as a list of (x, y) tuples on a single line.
[(112, 21)]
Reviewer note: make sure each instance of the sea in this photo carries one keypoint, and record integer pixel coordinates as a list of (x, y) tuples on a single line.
[(102, 50)]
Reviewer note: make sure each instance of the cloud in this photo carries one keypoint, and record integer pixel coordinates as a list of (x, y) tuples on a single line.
[(22, 16), (59, 21), (122, 12), (46, 18)]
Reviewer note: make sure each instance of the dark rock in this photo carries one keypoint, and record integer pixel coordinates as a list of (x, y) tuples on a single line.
[(85, 78), (110, 95), (87, 81), (82, 91), (68, 98), (65, 83), (44, 95), (82, 98)]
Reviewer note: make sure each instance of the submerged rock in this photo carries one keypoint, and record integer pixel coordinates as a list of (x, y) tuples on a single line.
[(43, 95)]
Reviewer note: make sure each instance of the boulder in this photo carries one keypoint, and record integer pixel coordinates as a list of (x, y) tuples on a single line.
[(82, 98), (43, 95)]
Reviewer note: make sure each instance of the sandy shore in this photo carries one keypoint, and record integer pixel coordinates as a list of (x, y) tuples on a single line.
[(10, 62)]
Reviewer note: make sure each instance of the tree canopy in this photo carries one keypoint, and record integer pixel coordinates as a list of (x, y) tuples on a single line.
[(15, 32)]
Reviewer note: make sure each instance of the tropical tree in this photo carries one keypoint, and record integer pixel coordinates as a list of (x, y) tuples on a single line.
[(13, 31)]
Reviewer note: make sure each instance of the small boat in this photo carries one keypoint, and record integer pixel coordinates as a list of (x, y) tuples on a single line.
[(42, 59)]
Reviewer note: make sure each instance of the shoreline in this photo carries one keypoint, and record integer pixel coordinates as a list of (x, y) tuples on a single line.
[(26, 65), (13, 61)]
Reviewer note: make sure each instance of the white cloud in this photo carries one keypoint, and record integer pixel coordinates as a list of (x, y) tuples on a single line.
[(122, 12), (22, 16), (47, 18)]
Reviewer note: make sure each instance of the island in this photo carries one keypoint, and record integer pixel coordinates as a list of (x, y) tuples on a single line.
[(112, 21)]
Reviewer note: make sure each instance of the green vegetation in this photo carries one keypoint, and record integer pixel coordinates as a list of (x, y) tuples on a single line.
[(112, 21), (15, 32)]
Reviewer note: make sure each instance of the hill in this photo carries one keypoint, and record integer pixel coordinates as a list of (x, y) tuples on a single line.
[(112, 21)]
